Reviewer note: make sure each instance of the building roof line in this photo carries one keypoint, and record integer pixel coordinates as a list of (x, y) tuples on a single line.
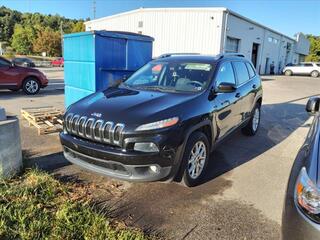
[(216, 9), (258, 24)]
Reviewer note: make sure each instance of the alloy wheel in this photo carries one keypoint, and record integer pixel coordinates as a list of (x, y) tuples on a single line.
[(32, 86), (197, 159), (256, 119)]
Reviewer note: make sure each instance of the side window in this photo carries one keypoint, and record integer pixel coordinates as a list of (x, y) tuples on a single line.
[(225, 74), (308, 65), (251, 71), (241, 71), (4, 63)]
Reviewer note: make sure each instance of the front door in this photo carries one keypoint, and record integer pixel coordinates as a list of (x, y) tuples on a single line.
[(226, 105)]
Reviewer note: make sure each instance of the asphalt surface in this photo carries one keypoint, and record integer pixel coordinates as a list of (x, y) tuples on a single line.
[(242, 196)]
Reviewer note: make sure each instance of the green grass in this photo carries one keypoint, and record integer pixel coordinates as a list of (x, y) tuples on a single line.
[(37, 206)]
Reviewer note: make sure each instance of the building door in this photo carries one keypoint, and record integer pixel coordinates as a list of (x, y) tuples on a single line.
[(266, 66), (254, 54)]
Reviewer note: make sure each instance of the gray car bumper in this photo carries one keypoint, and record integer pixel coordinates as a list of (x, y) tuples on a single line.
[(297, 226), (139, 173)]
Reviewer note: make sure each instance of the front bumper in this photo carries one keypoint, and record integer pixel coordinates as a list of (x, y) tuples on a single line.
[(297, 226), (117, 163)]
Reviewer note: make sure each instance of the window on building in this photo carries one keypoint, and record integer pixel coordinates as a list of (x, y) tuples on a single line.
[(241, 71), (270, 39), (232, 45), (251, 71), (140, 24), (225, 74), (275, 41)]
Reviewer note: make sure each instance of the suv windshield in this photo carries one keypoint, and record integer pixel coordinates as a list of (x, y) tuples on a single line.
[(172, 76)]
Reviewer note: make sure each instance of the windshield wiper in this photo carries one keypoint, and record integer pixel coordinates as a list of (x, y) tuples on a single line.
[(157, 88)]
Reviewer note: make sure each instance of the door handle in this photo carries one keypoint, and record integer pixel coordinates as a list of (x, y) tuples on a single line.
[(238, 95), (254, 86)]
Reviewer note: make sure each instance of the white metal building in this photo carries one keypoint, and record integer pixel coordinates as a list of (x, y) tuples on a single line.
[(208, 31)]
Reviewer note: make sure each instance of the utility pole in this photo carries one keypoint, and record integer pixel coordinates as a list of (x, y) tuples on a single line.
[(94, 9), (61, 33)]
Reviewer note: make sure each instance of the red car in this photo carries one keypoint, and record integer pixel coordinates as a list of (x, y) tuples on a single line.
[(59, 62), (14, 78)]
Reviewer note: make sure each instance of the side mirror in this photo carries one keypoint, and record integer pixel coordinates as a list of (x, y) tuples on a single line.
[(313, 105), (226, 87), (12, 64)]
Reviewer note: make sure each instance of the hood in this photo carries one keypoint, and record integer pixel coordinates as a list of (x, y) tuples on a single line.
[(130, 106), (27, 69)]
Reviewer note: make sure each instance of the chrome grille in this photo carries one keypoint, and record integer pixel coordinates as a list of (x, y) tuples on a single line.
[(93, 129)]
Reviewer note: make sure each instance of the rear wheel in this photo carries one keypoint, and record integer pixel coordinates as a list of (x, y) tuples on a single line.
[(288, 73), (196, 158), (31, 86), (314, 74), (253, 125)]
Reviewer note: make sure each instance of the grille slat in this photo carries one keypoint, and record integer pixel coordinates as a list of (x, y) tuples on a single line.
[(96, 130)]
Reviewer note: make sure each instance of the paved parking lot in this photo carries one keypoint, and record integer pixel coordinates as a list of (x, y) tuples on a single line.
[(243, 194)]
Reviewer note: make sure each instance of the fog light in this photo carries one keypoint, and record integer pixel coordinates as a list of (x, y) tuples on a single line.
[(154, 168), (146, 147)]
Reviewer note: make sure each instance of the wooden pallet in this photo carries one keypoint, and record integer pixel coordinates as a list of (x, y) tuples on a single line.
[(45, 119)]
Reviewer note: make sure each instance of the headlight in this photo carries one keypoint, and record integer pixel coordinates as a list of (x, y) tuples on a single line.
[(307, 196), (146, 147), (157, 125)]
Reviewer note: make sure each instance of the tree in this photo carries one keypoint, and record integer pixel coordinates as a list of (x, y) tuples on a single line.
[(314, 55), (78, 27), (22, 39), (48, 41)]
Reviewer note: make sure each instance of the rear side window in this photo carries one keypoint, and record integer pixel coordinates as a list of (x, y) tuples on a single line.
[(251, 71), (241, 71), (225, 74), (308, 65), (4, 63)]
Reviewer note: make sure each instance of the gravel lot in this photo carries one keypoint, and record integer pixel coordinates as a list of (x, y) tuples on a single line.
[(243, 194)]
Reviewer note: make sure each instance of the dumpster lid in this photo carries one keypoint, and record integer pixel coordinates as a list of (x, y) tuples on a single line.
[(113, 34), (126, 35)]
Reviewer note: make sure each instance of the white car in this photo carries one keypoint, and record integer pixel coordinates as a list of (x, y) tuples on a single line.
[(305, 68)]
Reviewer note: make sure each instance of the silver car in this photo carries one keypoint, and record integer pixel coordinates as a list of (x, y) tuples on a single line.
[(301, 214), (305, 68)]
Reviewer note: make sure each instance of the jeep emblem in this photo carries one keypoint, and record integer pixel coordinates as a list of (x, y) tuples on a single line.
[(96, 114)]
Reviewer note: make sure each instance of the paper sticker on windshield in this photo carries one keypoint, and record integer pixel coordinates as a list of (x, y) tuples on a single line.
[(198, 66)]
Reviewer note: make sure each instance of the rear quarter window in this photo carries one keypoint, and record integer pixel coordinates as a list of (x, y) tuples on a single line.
[(241, 72), (251, 71)]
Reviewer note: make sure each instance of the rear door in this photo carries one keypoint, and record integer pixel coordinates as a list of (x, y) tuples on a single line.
[(307, 68), (226, 105), (244, 89), (7, 77)]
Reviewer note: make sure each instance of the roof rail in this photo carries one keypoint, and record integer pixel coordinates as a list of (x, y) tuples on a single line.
[(176, 54), (222, 55)]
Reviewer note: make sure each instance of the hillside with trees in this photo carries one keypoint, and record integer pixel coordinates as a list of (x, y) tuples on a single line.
[(34, 33)]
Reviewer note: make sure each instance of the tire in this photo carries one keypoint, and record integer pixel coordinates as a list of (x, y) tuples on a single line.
[(190, 176), (253, 125), (315, 74), (288, 73), (31, 86)]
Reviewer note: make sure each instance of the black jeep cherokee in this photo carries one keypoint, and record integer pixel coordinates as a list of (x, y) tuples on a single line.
[(163, 121)]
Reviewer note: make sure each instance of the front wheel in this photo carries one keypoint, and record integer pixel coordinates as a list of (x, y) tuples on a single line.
[(31, 86), (196, 157), (288, 73), (253, 125)]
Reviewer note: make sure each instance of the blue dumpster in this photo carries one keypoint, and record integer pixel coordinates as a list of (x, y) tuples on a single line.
[(94, 60)]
